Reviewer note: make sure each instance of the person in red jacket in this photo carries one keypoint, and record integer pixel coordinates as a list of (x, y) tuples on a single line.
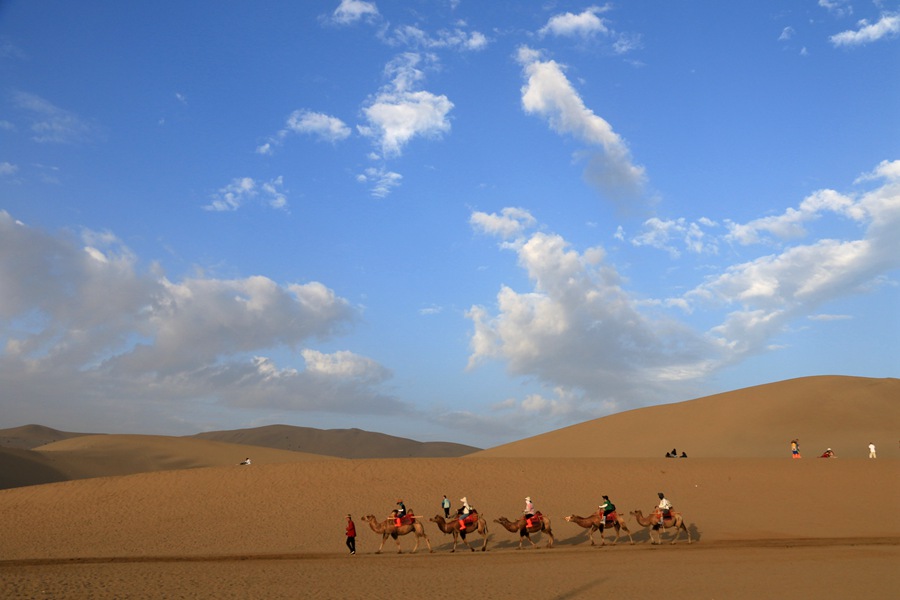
[(351, 535)]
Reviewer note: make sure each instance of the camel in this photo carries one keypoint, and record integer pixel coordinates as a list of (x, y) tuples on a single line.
[(519, 526), (653, 522), (452, 526), (595, 523), (388, 528)]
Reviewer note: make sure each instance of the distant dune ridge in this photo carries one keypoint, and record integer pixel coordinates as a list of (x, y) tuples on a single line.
[(343, 443)]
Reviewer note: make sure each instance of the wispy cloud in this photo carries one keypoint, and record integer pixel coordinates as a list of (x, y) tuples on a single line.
[(382, 181), (50, 124), (549, 94), (242, 190)]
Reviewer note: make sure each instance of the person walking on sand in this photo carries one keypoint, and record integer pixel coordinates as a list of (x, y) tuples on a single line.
[(795, 448), (351, 535), (872, 450), (445, 504)]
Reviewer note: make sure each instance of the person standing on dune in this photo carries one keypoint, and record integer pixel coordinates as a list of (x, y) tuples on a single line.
[(795, 448), (872, 450), (445, 504)]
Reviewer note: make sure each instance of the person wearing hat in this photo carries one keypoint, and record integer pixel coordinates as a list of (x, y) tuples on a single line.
[(463, 512), (529, 511), (664, 509), (399, 512), (607, 508), (795, 448)]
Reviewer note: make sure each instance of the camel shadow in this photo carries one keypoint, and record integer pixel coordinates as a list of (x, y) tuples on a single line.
[(642, 535)]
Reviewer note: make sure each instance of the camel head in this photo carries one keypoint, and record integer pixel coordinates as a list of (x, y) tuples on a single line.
[(569, 518), (437, 519)]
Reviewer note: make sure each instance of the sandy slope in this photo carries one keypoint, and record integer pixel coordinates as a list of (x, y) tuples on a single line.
[(844, 413)]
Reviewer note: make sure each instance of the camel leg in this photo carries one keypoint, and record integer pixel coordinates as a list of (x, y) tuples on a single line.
[(550, 535), (590, 532), (628, 531), (455, 537), (427, 542)]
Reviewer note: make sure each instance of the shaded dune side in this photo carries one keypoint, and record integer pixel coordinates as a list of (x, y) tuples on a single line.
[(27, 437), (844, 413), (110, 455), (299, 507)]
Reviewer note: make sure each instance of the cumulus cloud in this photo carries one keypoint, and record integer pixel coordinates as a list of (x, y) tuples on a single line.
[(584, 24), (323, 127), (888, 26), (245, 189), (51, 124), (595, 346), (352, 11), (85, 330), (549, 94), (400, 112)]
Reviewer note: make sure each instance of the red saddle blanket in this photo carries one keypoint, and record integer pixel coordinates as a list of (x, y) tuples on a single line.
[(611, 518), (535, 519), (472, 517), (405, 520)]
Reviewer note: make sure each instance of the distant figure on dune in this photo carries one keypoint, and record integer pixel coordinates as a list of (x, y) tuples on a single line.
[(445, 504), (683, 454), (872, 451), (829, 453), (246, 461), (351, 535), (795, 448)]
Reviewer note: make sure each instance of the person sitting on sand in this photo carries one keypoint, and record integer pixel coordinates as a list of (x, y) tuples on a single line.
[(829, 453), (246, 461)]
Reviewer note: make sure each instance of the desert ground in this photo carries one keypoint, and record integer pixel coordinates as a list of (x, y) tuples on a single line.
[(152, 517)]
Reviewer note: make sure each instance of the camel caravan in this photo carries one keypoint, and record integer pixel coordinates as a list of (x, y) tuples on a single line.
[(468, 521)]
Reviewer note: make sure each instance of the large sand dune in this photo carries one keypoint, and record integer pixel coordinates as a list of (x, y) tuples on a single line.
[(762, 526)]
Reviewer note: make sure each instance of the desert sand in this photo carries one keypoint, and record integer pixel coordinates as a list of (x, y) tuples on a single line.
[(186, 527)]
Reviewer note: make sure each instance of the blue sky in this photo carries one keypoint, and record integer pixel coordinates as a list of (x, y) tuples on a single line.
[(444, 220)]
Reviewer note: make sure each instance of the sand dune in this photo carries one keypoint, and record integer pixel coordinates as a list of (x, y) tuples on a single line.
[(844, 413), (195, 525), (27, 437), (88, 456), (343, 443)]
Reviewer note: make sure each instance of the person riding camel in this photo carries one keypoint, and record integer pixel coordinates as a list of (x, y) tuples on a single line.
[(607, 508), (529, 511), (400, 512), (664, 510), (463, 512)]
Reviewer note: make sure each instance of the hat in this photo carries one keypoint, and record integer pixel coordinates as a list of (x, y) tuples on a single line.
[(829, 449), (463, 500), (661, 495), (527, 498)]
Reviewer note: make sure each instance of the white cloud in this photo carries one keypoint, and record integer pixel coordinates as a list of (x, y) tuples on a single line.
[(352, 11), (415, 37), (245, 189), (888, 26), (51, 124), (324, 127), (382, 180), (7, 168), (786, 34), (580, 333), (549, 94), (399, 112), (663, 233), (86, 336), (584, 24), (838, 8), (510, 223)]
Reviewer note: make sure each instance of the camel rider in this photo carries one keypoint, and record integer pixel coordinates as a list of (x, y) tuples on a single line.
[(529, 511), (607, 508), (463, 512), (664, 510), (400, 512)]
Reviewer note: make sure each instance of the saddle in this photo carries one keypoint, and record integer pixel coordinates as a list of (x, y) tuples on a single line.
[(610, 518), (407, 519), (472, 517), (536, 519)]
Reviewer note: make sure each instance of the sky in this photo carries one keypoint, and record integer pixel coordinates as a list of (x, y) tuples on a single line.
[(443, 220)]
